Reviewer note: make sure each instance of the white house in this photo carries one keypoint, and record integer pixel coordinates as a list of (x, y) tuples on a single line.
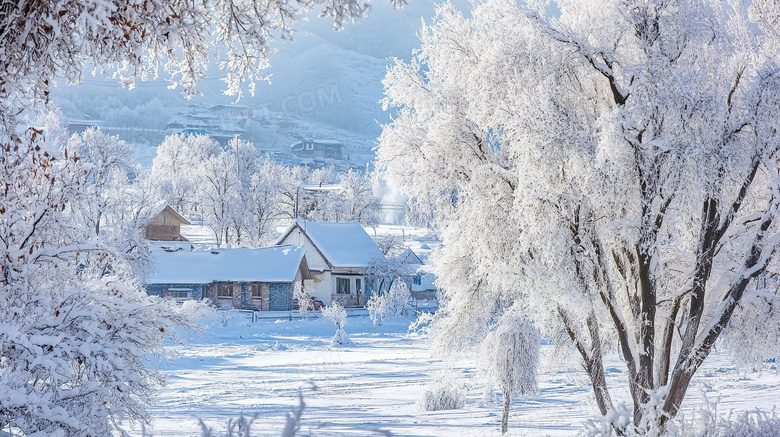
[(339, 257)]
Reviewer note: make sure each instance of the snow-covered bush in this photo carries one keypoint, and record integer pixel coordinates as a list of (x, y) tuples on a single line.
[(304, 299), (336, 313), (445, 392), (750, 339), (751, 424), (198, 310), (508, 359), (394, 303), (77, 329), (754, 423)]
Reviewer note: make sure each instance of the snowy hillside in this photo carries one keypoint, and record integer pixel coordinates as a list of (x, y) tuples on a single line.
[(325, 84)]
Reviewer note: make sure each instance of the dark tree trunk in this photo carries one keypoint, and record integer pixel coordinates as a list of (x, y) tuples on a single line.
[(505, 413)]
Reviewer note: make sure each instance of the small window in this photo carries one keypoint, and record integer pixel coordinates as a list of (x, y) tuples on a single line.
[(358, 286), (342, 286), (418, 279), (259, 290), (225, 290), (177, 293), (309, 145)]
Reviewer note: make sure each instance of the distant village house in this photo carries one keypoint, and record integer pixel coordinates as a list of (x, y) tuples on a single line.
[(312, 148)]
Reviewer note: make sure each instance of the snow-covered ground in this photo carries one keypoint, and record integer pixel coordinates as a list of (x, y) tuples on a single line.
[(259, 368)]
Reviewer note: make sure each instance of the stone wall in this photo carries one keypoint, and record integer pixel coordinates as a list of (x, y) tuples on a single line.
[(281, 294)]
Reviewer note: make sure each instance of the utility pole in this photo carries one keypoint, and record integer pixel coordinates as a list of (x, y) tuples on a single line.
[(295, 213)]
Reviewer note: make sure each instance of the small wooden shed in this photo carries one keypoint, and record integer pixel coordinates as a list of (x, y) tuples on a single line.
[(166, 226)]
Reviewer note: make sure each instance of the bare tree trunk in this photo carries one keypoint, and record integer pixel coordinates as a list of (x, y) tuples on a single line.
[(505, 413), (591, 359)]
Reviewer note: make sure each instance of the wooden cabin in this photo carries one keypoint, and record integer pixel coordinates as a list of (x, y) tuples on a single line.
[(166, 226)]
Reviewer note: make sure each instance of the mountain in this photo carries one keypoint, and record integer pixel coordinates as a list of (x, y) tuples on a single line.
[(328, 82)]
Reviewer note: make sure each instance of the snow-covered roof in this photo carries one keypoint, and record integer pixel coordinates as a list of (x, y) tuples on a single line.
[(341, 244), (427, 280), (268, 264), (322, 187), (409, 257), (169, 216), (331, 142)]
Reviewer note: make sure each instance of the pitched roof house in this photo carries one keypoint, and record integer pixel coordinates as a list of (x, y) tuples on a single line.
[(166, 226), (256, 279), (339, 256), (313, 148)]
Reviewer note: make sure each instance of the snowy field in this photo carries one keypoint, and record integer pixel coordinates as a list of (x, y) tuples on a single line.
[(371, 389)]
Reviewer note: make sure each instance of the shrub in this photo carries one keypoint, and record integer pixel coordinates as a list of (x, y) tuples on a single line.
[(338, 315), (394, 303), (445, 392)]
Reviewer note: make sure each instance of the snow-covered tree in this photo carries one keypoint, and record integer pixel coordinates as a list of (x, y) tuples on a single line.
[(336, 313), (174, 168), (117, 199), (323, 175), (304, 299), (392, 303), (44, 41), (77, 329), (508, 359), (294, 201), (264, 208), (109, 160), (217, 193), (356, 200), (619, 181), (385, 272), (239, 219)]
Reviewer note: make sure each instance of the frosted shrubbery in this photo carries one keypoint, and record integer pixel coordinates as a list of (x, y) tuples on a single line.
[(752, 424), (197, 310), (445, 392), (304, 299), (705, 423), (394, 303), (336, 313)]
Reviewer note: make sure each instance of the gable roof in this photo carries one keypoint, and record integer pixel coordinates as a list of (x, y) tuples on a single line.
[(409, 257), (171, 213), (268, 264), (341, 244)]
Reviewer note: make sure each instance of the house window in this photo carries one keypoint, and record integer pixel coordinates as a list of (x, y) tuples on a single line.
[(358, 286), (417, 279), (258, 290), (308, 146), (342, 286), (225, 290), (178, 293)]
